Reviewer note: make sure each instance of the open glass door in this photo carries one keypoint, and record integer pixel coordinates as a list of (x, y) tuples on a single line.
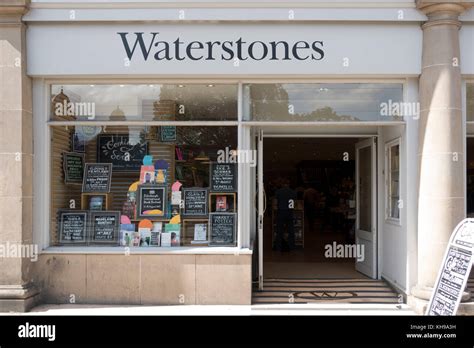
[(261, 208), (366, 206)]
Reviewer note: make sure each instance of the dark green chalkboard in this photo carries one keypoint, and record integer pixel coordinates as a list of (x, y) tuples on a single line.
[(73, 166), (168, 133)]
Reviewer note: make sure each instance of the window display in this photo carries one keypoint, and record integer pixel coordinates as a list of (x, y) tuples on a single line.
[(142, 185)]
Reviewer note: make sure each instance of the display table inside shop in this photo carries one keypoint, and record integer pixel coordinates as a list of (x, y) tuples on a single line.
[(298, 222)]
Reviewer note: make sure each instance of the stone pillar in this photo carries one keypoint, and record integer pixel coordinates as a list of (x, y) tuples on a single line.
[(16, 162), (440, 152)]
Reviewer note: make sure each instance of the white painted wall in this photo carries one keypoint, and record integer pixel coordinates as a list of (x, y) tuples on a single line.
[(397, 242), (392, 236)]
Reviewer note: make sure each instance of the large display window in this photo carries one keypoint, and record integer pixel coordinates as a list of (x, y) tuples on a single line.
[(143, 185)]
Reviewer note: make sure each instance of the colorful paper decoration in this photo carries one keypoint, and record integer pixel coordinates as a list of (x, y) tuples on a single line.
[(176, 186), (161, 164), (133, 187), (175, 220), (145, 224), (161, 176), (153, 212), (124, 219), (148, 160)]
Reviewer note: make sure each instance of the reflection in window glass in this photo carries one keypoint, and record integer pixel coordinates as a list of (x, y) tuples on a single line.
[(144, 102), (393, 172), (184, 154), (323, 102)]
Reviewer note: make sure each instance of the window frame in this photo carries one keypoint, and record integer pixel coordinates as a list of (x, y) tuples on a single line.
[(388, 181), (245, 229), (44, 132)]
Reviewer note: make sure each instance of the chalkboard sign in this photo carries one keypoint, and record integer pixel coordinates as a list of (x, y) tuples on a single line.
[(223, 177), (152, 201), (222, 229), (104, 226), (195, 201), (118, 149), (97, 177), (455, 270), (73, 166), (72, 226), (168, 133)]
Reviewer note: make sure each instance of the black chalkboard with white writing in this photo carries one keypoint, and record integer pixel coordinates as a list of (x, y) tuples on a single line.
[(97, 177), (124, 153), (222, 229), (152, 200), (223, 177), (72, 226), (195, 201), (73, 166), (104, 226)]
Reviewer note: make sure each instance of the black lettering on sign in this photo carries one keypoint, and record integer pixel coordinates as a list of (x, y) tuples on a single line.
[(195, 201), (73, 166), (223, 177), (152, 200), (124, 153), (222, 229), (72, 226), (104, 226), (97, 177)]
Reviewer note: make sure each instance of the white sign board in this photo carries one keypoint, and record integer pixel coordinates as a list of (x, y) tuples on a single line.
[(224, 49), (455, 269)]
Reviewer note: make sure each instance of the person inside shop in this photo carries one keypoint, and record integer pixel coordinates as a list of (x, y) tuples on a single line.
[(286, 200)]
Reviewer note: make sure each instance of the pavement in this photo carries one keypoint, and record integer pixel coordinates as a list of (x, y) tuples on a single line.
[(196, 310)]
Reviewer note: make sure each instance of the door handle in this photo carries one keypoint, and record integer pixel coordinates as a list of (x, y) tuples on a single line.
[(264, 201), (255, 205)]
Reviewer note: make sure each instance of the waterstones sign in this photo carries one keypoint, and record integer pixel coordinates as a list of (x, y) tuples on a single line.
[(149, 45), (210, 49)]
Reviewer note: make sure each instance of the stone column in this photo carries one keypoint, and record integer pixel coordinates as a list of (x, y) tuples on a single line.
[(440, 152), (16, 162)]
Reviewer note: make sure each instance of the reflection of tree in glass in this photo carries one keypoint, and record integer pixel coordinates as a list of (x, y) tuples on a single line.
[(200, 102), (272, 102), (269, 102)]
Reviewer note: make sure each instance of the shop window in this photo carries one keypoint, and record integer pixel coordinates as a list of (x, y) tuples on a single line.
[(143, 186), (331, 102), (153, 102), (392, 170)]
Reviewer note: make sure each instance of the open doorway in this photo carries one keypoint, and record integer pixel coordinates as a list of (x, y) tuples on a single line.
[(321, 174), (333, 257)]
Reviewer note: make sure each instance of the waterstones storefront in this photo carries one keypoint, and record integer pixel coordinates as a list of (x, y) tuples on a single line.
[(143, 146)]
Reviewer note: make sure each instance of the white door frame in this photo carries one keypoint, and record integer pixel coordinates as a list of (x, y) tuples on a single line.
[(368, 235), (370, 138), (261, 207)]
